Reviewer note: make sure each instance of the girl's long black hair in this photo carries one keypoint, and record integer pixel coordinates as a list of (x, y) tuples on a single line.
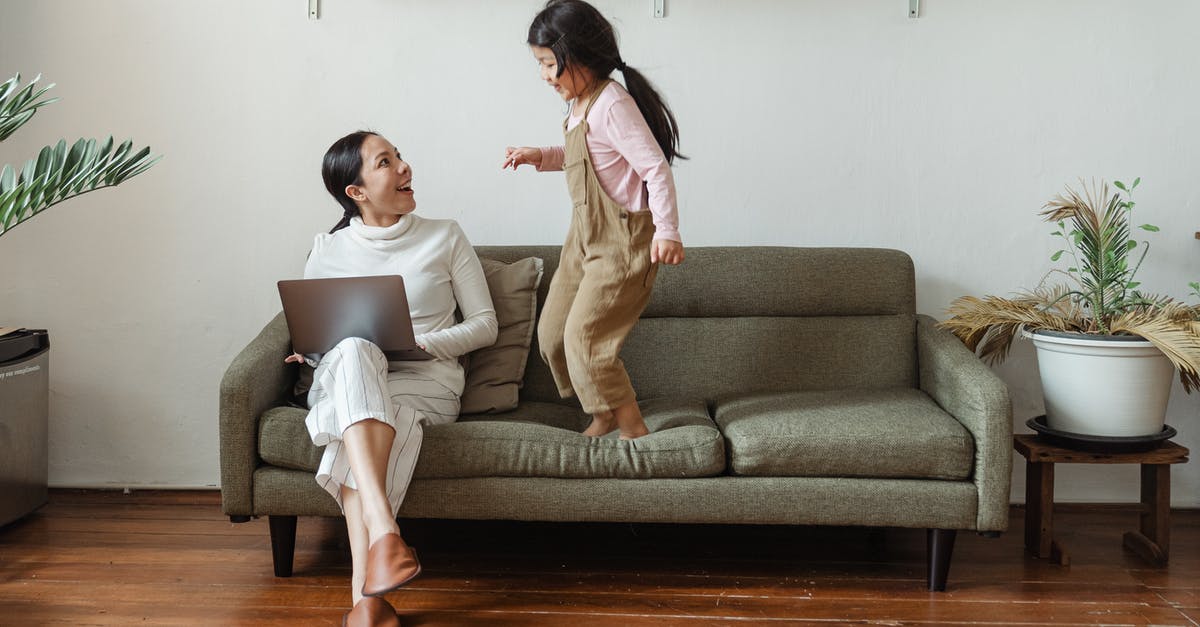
[(342, 166), (578, 33)]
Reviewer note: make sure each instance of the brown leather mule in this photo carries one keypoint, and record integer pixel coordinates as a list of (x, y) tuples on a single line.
[(371, 612), (390, 564)]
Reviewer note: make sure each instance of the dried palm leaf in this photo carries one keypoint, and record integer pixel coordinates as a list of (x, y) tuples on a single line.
[(990, 324), (1179, 340)]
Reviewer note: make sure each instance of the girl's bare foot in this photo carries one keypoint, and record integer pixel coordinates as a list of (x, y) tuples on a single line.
[(603, 424), (629, 419)]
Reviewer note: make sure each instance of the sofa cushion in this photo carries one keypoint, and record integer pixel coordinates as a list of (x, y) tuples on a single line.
[(897, 432), (283, 439), (544, 440), (494, 374), (535, 440)]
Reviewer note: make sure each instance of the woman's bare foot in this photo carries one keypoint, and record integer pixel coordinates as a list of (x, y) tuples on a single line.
[(629, 419), (603, 424)]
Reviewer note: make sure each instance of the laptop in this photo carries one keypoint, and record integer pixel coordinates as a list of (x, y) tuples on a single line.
[(322, 312)]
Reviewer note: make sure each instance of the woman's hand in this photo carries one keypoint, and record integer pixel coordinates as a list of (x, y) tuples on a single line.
[(294, 358), (514, 157), (666, 251)]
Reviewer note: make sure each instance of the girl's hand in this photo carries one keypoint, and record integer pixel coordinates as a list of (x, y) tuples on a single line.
[(514, 157), (294, 358), (666, 251)]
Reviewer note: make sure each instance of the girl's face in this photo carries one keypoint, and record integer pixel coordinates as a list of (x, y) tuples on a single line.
[(574, 82), (386, 192)]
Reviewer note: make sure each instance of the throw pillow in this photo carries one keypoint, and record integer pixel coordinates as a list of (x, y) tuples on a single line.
[(494, 374)]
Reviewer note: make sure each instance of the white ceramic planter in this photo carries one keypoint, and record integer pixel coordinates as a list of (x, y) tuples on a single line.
[(1110, 386)]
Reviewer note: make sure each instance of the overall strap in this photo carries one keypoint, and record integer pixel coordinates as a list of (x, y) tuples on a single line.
[(595, 94)]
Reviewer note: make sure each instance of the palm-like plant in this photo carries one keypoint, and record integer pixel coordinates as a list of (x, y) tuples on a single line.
[(58, 173), (1100, 295)]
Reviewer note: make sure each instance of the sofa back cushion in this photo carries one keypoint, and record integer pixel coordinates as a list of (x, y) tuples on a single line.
[(739, 319), (494, 374)]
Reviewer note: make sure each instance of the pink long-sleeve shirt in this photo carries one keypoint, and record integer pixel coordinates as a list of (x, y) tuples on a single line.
[(629, 163)]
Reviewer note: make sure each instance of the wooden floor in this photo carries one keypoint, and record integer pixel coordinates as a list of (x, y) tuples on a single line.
[(171, 558)]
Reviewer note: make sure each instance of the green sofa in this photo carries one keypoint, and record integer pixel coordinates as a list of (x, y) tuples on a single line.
[(790, 386)]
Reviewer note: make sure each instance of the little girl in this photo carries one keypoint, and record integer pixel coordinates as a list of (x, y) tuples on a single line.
[(617, 156)]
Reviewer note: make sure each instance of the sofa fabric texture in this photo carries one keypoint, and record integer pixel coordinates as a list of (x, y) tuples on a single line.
[(894, 432), (540, 440)]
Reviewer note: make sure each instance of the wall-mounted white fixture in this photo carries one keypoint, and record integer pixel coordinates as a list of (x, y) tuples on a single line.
[(914, 8), (314, 9), (658, 8)]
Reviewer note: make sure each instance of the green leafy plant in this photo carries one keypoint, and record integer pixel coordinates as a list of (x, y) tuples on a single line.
[(1099, 244), (1100, 294), (58, 173)]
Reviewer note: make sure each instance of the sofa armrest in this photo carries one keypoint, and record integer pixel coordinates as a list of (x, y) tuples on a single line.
[(968, 390), (256, 381)]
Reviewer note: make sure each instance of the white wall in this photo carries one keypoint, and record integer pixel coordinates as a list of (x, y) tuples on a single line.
[(809, 122)]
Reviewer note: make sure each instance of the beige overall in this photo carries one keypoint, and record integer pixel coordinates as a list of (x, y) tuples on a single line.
[(602, 285)]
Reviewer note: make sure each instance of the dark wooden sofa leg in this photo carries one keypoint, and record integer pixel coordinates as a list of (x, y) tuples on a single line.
[(939, 547), (283, 543)]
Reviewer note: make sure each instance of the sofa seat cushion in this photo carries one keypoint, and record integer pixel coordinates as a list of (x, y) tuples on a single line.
[(534, 440), (894, 433), (283, 439)]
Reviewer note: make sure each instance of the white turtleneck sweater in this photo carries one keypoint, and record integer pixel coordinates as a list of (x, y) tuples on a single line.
[(441, 273)]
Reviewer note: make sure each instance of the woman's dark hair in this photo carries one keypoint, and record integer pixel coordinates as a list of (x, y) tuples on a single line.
[(579, 34), (341, 167)]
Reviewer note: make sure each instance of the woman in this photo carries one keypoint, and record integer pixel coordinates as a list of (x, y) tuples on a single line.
[(367, 413)]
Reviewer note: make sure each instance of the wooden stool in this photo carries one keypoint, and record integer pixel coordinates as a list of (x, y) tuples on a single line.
[(1151, 540)]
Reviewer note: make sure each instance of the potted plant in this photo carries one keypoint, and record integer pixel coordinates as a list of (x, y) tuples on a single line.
[(1106, 350), (57, 174)]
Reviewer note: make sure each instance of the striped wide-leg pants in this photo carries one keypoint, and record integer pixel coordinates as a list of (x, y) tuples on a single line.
[(352, 383)]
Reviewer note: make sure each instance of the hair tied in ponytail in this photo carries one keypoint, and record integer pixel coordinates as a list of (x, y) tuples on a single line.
[(581, 36), (342, 167)]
